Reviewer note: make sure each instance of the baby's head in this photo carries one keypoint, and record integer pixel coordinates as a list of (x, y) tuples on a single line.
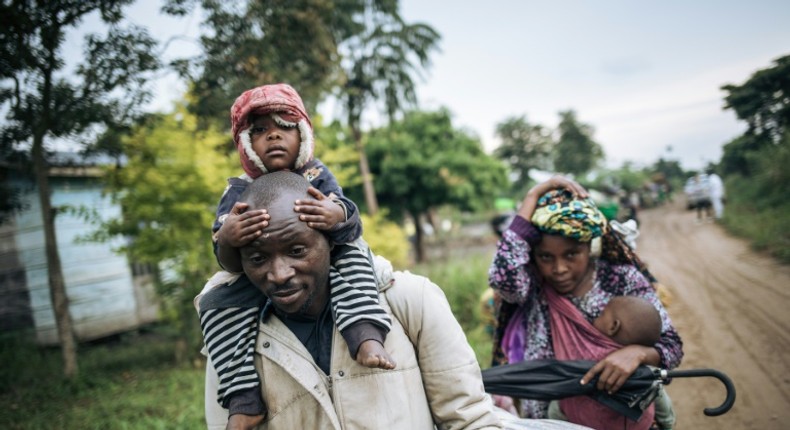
[(630, 320), (281, 104)]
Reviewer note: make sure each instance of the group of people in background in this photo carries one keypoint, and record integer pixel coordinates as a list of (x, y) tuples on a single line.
[(303, 330)]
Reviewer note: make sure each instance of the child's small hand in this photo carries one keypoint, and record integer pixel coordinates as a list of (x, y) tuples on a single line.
[(241, 227), (320, 214)]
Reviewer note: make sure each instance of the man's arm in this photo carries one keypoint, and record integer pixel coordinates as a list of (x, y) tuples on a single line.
[(449, 369), (216, 415)]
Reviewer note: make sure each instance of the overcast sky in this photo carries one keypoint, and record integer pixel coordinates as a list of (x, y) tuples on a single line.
[(645, 75)]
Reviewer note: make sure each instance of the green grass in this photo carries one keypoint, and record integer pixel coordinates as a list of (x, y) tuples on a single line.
[(128, 383), (768, 229)]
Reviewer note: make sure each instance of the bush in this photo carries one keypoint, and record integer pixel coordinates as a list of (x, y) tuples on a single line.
[(757, 206), (386, 239), (767, 228)]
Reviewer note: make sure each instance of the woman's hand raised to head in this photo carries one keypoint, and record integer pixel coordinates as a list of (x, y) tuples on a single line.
[(559, 182), (554, 183)]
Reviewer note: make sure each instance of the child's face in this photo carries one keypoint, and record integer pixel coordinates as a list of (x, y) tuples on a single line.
[(277, 146), (605, 321)]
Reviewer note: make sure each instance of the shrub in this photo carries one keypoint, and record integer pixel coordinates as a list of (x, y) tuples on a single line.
[(386, 239), (464, 280), (757, 206)]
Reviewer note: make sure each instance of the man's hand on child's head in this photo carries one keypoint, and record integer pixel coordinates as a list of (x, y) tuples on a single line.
[(242, 226), (321, 213)]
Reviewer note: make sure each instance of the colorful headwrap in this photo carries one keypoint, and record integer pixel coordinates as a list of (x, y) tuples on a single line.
[(559, 212), (281, 99)]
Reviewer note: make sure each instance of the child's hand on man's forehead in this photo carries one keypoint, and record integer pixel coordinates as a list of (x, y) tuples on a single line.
[(323, 213)]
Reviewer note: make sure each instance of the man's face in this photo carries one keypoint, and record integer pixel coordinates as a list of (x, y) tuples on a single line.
[(289, 262)]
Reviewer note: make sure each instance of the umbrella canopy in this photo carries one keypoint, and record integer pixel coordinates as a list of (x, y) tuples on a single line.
[(556, 379)]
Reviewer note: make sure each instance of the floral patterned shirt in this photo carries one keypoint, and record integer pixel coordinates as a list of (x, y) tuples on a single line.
[(518, 282)]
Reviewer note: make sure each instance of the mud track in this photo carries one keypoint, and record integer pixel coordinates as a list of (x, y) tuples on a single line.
[(732, 309)]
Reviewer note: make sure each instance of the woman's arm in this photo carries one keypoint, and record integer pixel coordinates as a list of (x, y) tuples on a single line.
[(509, 273), (666, 353)]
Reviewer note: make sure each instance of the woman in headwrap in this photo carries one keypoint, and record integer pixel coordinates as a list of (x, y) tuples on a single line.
[(556, 267)]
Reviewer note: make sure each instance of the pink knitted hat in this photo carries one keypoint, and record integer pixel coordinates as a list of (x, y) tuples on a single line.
[(286, 107)]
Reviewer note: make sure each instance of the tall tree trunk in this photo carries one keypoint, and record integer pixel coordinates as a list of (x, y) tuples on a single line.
[(57, 287), (419, 251), (430, 215), (367, 182)]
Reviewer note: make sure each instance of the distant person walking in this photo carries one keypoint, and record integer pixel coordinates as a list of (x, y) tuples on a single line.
[(716, 187), (700, 190)]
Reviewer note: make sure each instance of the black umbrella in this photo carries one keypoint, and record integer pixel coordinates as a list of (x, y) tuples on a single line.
[(555, 379)]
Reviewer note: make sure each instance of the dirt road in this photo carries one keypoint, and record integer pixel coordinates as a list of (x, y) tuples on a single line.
[(732, 309)]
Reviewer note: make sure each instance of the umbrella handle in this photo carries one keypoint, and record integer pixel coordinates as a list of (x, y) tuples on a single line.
[(728, 401)]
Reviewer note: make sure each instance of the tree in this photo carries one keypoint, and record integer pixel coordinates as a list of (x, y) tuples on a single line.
[(41, 103), (422, 162), (361, 48), (626, 177), (12, 164), (381, 62), (333, 149), (168, 192), (252, 43), (384, 237), (576, 152), (672, 173), (763, 101), (670, 169), (524, 146), (738, 154)]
